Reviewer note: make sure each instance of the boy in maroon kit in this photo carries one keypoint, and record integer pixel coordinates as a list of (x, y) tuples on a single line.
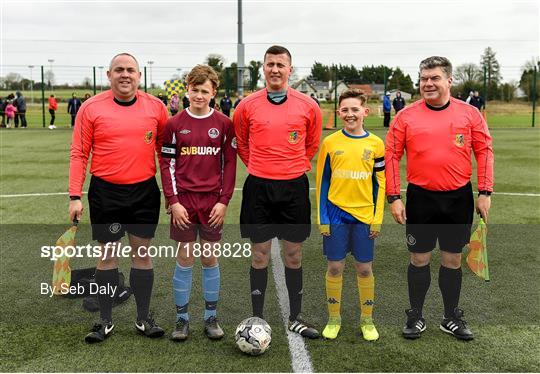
[(198, 171)]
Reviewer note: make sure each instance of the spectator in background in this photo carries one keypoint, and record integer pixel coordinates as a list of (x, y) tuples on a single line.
[(185, 101), (315, 98), (10, 112), (53, 105), (226, 105), (477, 101), (175, 103), (86, 97), (387, 108), (469, 98), (459, 96), (238, 99), (163, 99), (3, 103), (20, 104), (74, 105), (399, 102)]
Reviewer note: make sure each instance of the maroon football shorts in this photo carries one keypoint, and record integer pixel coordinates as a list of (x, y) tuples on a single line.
[(198, 205)]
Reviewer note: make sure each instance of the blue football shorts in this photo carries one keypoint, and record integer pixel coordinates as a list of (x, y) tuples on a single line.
[(347, 234)]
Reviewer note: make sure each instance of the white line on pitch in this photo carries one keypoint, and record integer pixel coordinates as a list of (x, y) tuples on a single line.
[(239, 189), (301, 361)]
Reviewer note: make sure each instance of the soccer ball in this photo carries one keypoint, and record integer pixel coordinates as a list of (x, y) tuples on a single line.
[(253, 336)]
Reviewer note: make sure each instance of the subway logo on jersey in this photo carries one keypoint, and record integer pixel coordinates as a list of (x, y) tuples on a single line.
[(351, 174), (199, 151)]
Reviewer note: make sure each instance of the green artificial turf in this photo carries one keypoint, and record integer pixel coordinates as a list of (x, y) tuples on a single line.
[(38, 333)]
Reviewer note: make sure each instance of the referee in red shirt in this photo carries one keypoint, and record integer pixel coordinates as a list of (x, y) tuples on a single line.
[(278, 131), (439, 134), (122, 128)]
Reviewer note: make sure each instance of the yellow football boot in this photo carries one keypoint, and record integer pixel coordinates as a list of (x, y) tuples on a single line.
[(368, 330), (332, 328)]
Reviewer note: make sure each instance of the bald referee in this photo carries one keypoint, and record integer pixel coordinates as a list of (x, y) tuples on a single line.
[(122, 128), (439, 134)]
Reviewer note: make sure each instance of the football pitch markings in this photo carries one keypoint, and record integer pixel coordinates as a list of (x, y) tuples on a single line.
[(300, 359), (240, 189)]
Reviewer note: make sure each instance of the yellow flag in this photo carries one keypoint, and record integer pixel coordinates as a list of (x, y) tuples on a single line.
[(477, 259), (61, 269)]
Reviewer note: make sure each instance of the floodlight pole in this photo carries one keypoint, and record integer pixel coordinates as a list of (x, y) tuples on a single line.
[(145, 85), (485, 87), (31, 83), (150, 63), (534, 95), (43, 95), (100, 78), (94, 80), (335, 95), (50, 81), (240, 53)]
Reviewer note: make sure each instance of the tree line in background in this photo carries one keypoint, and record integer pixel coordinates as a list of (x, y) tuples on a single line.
[(467, 77), (381, 74), (472, 77)]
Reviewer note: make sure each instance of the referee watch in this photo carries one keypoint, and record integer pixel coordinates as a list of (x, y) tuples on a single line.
[(74, 198), (392, 198), (483, 192)]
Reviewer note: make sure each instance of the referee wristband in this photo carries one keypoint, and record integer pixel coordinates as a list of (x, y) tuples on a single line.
[(487, 193), (392, 198), (74, 198)]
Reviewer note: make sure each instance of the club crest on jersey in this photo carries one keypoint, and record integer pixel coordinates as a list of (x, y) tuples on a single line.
[(213, 133), (185, 132), (293, 137), (460, 140), (367, 154), (148, 137), (233, 142)]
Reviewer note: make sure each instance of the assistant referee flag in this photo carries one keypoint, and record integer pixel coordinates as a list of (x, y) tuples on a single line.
[(477, 259)]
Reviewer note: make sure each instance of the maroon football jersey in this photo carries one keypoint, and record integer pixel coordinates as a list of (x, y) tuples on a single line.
[(198, 155)]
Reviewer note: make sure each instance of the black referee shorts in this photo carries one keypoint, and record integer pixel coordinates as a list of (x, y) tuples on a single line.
[(117, 208), (446, 216), (275, 208)]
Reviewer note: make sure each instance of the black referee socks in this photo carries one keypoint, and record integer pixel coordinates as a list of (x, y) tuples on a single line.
[(106, 279), (419, 280), (258, 279), (293, 280), (450, 285), (141, 282)]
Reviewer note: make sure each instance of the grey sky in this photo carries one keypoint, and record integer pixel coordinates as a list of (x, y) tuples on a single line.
[(179, 34)]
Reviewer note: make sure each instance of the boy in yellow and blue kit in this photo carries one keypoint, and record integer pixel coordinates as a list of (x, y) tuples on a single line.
[(350, 203)]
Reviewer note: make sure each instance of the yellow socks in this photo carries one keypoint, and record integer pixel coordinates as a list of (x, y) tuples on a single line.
[(333, 295), (366, 290)]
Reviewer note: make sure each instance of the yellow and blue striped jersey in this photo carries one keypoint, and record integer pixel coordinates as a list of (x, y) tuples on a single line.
[(350, 174)]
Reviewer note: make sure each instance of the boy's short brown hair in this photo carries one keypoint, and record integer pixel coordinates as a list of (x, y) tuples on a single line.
[(200, 73), (352, 93)]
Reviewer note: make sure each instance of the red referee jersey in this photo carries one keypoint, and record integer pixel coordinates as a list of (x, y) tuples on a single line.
[(123, 140), (439, 144), (277, 141)]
